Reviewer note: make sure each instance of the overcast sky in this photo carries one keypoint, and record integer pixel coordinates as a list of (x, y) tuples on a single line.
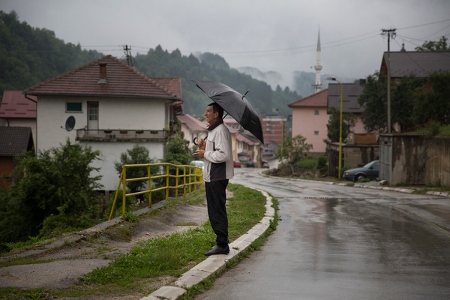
[(271, 35)]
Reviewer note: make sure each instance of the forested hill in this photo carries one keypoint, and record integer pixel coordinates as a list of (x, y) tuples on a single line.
[(31, 55)]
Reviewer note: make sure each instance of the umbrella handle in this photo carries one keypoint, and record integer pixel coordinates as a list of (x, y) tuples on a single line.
[(194, 140)]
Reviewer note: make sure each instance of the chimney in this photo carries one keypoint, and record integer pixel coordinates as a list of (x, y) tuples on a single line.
[(102, 72)]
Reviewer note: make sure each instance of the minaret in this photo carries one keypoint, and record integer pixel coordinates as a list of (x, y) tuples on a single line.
[(318, 67)]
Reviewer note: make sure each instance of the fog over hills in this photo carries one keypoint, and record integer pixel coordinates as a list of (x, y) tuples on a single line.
[(302, 82)]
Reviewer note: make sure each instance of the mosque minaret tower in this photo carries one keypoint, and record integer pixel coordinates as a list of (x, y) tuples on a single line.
[(318, 85)]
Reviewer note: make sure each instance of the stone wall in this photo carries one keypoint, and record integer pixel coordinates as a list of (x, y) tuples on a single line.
[(353, 156), (417, 160)]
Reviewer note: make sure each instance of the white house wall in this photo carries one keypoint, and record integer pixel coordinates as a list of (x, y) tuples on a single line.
[(110, 154), (114, 113)]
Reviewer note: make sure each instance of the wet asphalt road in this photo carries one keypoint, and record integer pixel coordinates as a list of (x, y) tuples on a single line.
[(338, 242)]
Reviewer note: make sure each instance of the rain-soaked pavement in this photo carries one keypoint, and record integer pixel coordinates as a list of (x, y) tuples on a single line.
[(339, 242)]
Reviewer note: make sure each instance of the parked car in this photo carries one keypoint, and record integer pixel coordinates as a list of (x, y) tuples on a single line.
[(370, 171), (198, 163), (237, 164)]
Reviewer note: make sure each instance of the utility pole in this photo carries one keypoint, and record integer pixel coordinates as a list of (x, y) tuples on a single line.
[(390, 33), (127, 52)]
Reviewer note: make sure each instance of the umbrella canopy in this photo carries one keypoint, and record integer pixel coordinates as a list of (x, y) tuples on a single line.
[(234, 104)]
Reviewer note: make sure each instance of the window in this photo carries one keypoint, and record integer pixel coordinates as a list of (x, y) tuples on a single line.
[(316, 112), (74, 107), (316, 133)]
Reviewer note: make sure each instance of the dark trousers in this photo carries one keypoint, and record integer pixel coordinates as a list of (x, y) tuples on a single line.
[(217, 212)]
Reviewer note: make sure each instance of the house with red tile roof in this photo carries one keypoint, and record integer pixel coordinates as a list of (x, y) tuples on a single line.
[(18, 110), (109, 106), (13, 141), (245, 146), (191, 128), (310, 119)]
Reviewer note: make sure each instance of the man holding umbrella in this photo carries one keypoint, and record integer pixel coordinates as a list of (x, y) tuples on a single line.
[(216, 151)]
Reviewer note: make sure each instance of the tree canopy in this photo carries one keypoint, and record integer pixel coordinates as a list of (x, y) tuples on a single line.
[(415, 102), (440, 45)]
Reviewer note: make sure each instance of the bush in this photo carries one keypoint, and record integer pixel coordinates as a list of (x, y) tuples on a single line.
[(56, 184), (308, 163), (321, 162)]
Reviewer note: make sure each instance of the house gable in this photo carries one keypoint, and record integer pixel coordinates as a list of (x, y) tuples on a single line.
[(108, 77)]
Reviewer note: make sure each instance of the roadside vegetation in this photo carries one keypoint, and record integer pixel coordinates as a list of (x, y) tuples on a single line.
[(159, 261)]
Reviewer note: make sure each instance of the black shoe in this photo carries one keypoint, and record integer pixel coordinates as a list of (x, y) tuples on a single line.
[(218, 250)]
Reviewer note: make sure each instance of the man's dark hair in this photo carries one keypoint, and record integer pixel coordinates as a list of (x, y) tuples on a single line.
[(217, 108)]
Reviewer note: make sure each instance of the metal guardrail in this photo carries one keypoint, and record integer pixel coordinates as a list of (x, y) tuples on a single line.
[(190, 180)]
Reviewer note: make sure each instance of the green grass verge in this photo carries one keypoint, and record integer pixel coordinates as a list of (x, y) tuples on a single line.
[(159, 259)]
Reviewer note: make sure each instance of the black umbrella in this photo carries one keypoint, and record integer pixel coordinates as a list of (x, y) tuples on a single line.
[(234, 104)]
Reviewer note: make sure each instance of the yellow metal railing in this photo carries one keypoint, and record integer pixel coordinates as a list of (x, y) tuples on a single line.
[(191, 180)]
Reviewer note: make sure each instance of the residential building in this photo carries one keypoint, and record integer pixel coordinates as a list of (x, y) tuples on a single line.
[(310, 119), (191, 128), (350, 104), (109, 106), (245, 146), (13, 141), (420, 64), (18, 110)]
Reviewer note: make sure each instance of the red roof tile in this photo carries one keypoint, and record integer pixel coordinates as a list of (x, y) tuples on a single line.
[(121, 81), (15, 140), (315, 100), (15, 105)]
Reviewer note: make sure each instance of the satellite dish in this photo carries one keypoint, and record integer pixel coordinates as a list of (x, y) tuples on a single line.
[(70, 123)]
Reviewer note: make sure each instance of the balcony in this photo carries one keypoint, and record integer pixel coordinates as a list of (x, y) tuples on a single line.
[(121, 135)]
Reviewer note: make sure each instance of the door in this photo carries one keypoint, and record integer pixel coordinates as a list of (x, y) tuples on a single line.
[(93, 117)]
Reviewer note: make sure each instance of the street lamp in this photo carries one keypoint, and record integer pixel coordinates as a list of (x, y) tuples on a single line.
[(340, 126), (282, 129)]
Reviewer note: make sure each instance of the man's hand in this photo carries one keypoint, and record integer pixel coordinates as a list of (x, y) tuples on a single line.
[(201, 144), (200, 153)]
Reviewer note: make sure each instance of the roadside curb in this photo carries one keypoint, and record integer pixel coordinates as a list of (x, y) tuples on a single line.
[(216, 264)]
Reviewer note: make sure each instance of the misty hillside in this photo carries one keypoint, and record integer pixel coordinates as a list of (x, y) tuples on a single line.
[(31, 55)]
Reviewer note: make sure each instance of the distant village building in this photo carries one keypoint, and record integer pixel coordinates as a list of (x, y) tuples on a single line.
[(310, 119)]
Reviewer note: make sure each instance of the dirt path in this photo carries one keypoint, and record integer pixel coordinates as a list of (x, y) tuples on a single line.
[(79, 254)]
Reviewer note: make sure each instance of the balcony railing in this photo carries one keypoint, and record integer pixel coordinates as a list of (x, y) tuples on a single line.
[(120, 135)]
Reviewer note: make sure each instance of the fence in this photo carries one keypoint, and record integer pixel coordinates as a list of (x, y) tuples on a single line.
[(190, 180)]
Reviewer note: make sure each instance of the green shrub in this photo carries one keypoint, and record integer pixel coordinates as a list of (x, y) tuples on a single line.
[(322, 162), (130, 217), (308, 163)]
